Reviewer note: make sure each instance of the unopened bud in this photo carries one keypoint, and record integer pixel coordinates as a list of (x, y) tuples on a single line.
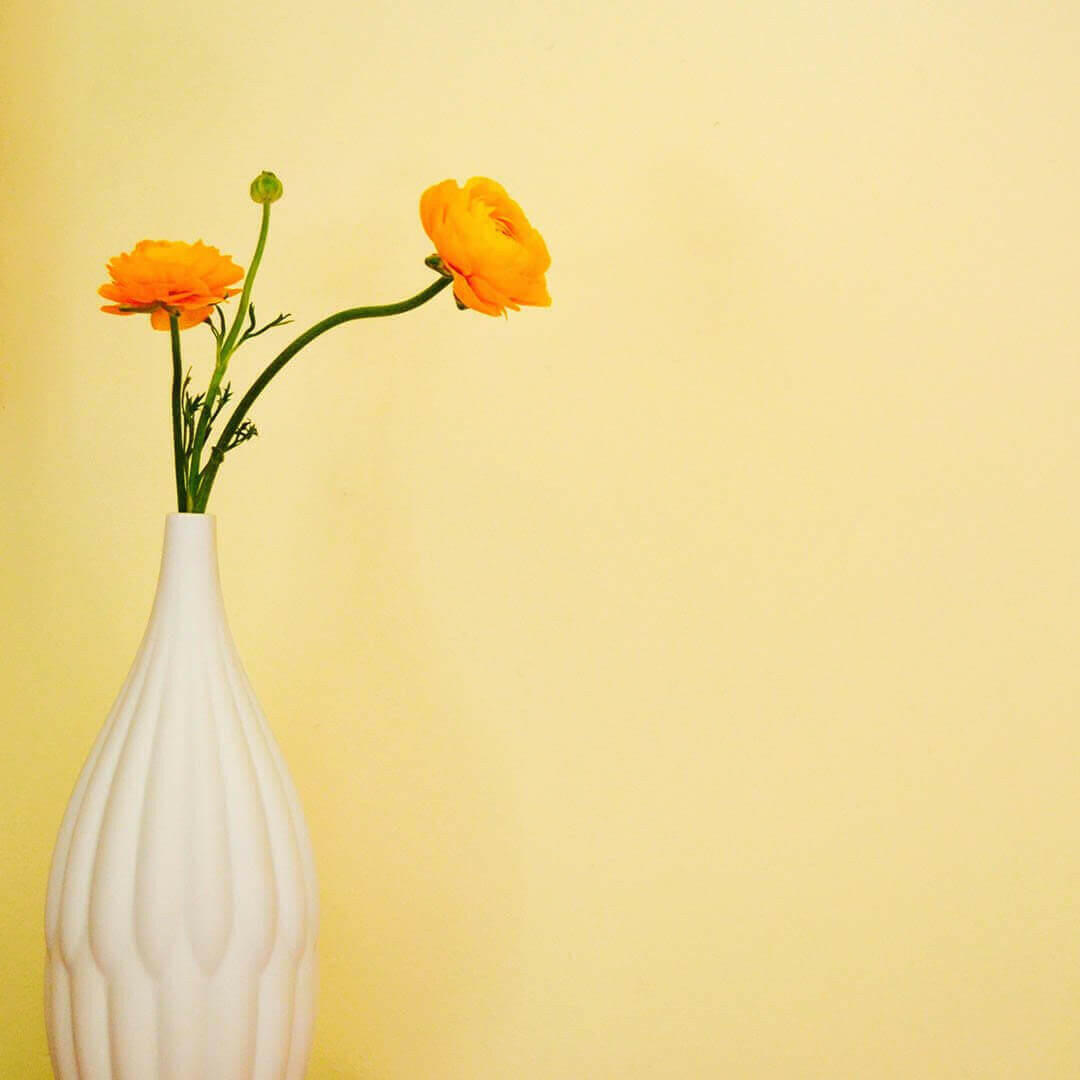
[(266, 188)]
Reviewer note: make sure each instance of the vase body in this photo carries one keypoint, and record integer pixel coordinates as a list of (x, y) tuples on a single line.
[(182, 907)]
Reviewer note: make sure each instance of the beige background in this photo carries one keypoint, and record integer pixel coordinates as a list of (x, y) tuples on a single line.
[(681, 682)]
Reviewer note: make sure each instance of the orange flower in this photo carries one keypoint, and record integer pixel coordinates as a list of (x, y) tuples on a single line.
[(163, 276), (497, 258)]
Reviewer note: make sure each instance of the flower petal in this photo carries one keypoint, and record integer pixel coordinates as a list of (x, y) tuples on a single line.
[(464, 292)]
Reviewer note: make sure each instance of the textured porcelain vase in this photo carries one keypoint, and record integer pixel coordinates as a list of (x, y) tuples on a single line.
[(182, 906)]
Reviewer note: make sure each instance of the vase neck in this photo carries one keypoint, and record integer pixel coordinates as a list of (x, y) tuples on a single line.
[(189, 588)]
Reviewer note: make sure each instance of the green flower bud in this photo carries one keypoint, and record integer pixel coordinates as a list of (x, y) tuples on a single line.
[(266, 188)]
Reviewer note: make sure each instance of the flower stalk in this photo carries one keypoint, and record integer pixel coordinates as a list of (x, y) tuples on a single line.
[(245, 295), (374, 311), (178, 444), (225, 349)]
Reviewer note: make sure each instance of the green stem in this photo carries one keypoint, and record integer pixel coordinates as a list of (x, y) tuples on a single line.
[(203, 427), (178, 443), (225, 350), (374, 311), (249, 280)]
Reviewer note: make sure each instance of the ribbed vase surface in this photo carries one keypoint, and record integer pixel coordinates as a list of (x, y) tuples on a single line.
[(182, 907)]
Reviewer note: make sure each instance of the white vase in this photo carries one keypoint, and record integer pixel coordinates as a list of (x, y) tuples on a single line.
[(182, 907)]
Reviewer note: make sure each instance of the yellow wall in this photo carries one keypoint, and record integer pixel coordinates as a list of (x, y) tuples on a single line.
[(681, 682)]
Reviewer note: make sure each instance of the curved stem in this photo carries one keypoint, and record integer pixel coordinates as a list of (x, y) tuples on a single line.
[(374, 311), (249, 280), (178, 442), (224, 351)]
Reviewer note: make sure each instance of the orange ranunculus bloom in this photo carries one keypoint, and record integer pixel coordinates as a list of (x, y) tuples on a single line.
[(160, 276), (482, 236)]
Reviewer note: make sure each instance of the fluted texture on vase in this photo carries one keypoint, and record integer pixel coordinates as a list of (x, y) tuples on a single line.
[(182, 907)]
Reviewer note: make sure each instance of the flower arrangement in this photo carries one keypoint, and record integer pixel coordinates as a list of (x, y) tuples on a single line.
[(484, 247)]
